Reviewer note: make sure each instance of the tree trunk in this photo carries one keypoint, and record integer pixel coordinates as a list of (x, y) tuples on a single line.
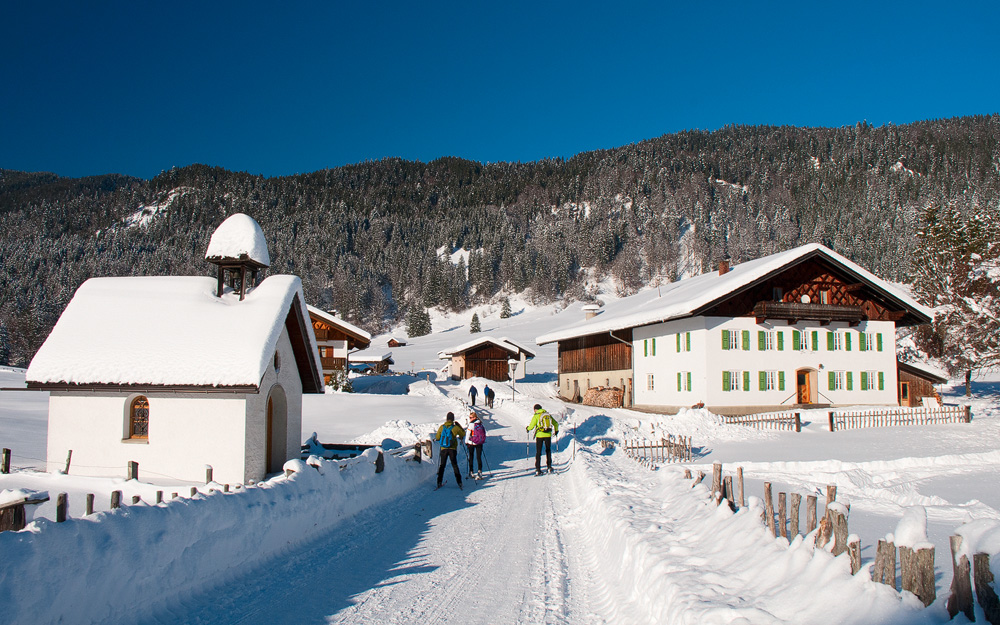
[(968, 383)]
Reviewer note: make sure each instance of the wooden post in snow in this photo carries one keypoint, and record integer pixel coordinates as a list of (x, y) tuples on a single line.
[(810, 513), (985, 595), (831, 494), (116, 499), (794, 516), (916, 570), (61, 506), (208, 474), (798, 421), (884, 570), (90, 504), (782, 516), (830, 415), (840, 532), (729, 492), (717, 481), (960, 599), (739, 481), (769, 509), (5, 461), (136, 499), (159, 496), (854, 551), (133, 470), (69, 457)]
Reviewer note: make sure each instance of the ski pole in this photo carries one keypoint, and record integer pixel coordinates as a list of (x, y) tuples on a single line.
[(468, 460)]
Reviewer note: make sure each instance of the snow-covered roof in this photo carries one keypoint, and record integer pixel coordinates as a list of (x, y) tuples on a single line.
[(503, 342), (174, 331), (686, 297), (238, 236), (343, 325), (925, 371), (373, 357)]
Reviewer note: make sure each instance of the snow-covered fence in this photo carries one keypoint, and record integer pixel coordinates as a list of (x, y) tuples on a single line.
[(888, 417), (670, 448), (767, 420)]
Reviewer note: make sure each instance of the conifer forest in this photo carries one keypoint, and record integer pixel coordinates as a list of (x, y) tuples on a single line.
[(365, 238)]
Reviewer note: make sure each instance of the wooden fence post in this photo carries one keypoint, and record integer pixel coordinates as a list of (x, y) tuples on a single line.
[(796, 502), (729, 492), (967, 413), (159, 496), (416, 452), (985, 595), (116, 499), (739, 481), (830, 415), (697, 480), (810, 513), (133, 470), (838, 520), (831, 494), (379, 463), (798, 421), (136, 499), (208, 474), (69, 457), (717, 482), (782, 516), (61, 506), (916, 570), (960, 599), (5, 461), (854, 551), (687, 474), (90, 503), (884, 570), (769, 509), (194, 491)]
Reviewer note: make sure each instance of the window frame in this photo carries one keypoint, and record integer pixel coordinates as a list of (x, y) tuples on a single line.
[(140, 402)]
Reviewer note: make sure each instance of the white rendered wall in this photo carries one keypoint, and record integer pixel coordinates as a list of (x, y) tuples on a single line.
[(707, 360), (290, 382), (186, 432)]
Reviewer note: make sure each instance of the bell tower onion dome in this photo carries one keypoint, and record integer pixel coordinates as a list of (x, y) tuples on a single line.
[(238, 248)]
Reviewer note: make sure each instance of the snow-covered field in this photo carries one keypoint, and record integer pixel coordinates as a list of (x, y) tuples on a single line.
[(602, 540)]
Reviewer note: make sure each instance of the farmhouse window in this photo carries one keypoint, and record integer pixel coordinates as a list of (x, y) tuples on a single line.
[(654, 347), (815, 340), (766, 380), (645, 347), (731, 380), (835, 380), (138, 426), (765, 340), (649, 381), (834, 341), (868, 380), (683, 380), (746, 340), (730, 339)]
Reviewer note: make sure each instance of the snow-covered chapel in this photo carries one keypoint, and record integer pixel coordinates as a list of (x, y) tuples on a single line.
[(180, 372)]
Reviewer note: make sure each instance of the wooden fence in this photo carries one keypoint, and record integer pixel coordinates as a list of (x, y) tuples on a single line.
[(672, 448), (889, 417), (791, 421)]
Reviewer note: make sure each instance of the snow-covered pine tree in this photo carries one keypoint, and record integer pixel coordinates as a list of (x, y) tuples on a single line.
[(957, 273), (505, 308), (474, 326)]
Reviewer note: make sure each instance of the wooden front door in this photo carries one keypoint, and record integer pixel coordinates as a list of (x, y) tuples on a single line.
[(802, 385), (904, 394)]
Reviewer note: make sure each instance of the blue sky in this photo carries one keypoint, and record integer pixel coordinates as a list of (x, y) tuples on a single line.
[(137, 88)]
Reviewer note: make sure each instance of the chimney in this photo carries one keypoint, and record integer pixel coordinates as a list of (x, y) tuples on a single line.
[(723, 267), (591, 310)]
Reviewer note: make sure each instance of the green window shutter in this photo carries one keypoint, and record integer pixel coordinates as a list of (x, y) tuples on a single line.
[(878, 340), (726, 381), (829, 341), (847, 340), (864, 378), (781, 340), (850, 381), (678, 380), (796, 340), (645, 347), (862, 342), (781, 380), (881, 381), (815, 340), (687, 341), (689, 380), (725, 339), (654, 347), (761, 341), (678, 342), (831, 381), (746, 380), (746, 340), (762, 380)]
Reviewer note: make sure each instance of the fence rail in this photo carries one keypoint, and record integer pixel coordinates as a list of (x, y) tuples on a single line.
[(889, 417), (768, 421), (671, 448)]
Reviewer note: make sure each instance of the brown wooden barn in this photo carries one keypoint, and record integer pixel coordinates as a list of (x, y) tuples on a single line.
[(335, 338), (487, 357), (916, 384)]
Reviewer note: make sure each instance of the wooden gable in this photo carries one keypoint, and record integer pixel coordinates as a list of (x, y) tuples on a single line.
[(813, 289), (597, 352), (329, 332)]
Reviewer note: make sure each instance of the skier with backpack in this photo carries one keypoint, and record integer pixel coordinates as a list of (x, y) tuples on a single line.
[(447, 437), (544, 426), (475, 436), (488, 396)]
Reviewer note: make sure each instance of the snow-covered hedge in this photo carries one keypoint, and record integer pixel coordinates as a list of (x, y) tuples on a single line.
[(119, 565)]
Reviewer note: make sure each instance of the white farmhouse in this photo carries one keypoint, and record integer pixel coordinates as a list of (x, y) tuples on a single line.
[(177, 373), (802, 327)]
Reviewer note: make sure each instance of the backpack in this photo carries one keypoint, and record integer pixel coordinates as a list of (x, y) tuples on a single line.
[(447, 439), (545, 423), (478, 434)]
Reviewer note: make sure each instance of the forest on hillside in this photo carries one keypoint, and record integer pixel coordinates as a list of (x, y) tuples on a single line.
[(364, 237)]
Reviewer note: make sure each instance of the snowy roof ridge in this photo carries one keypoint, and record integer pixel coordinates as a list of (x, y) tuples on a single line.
[(171, 331), (334, 319), (684, 297), (502, 342)]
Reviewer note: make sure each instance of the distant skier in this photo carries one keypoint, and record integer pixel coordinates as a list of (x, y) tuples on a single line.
[(488, 396), (544, 426), (447, 437), (475, 436), (472, 393)]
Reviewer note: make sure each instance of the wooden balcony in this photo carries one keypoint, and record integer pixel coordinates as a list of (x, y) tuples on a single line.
[(794, 312)]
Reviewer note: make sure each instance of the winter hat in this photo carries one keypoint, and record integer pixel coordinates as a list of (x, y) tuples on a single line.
[(450, 416)]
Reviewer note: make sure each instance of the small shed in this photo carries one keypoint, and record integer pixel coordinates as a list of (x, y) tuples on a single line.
[(371, 363), (336, 339), (180, 372), (487, 357), (395, 342), (916, 385)]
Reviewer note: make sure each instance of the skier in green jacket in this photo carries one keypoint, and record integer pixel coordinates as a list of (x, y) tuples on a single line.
[(545, 426)]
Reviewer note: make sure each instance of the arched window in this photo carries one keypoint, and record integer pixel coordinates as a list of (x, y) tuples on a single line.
[(138, 413)]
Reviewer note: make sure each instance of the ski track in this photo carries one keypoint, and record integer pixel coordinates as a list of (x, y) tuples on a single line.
[(503, 551)]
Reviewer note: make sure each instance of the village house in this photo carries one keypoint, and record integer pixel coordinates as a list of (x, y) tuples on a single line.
[(395, 342), (487, 357), (179, 372), (336, 340), (805, 327), (373, 362)]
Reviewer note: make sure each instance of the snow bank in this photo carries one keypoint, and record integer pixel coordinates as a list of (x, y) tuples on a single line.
[(121, 566)]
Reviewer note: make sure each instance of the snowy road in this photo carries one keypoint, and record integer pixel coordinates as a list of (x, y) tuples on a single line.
[(502, 551)]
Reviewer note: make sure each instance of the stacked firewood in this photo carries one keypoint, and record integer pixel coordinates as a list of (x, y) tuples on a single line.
[(603, 397)]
